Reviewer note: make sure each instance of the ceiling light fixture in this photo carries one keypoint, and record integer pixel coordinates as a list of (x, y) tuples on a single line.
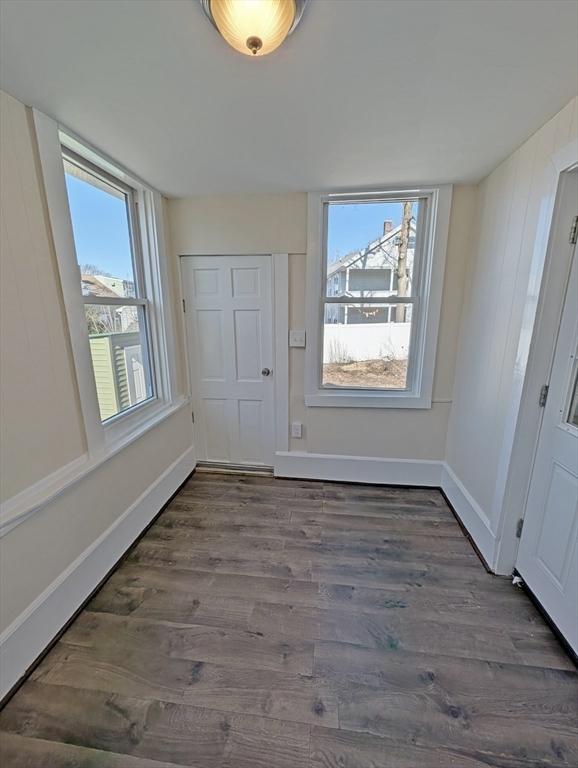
[(254, 27)]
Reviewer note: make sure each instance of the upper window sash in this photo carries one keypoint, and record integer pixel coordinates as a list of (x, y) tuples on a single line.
[(130, 195), (392, 298)]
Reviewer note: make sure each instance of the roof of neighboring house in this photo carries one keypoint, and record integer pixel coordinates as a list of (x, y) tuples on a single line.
[(92, 286), (385, 242)]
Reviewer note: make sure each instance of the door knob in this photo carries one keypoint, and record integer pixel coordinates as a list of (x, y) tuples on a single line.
[(266, 371)]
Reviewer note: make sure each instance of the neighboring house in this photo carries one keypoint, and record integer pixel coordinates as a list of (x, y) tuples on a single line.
[(119, 371), (106, 285), (368, 272), (115, 346)]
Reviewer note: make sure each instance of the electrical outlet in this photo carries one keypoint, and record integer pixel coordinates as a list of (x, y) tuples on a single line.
[(296, 429), (296, 338)]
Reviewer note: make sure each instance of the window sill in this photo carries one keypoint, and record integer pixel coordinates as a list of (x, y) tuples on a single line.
[(124, 432), (371, 399), (29, 501)]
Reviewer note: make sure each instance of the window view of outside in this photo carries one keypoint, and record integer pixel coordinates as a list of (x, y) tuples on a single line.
[(370, 250), (115, 313)]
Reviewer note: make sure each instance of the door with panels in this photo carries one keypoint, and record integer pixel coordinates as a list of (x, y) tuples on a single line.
[(548, 554), (228, 303)]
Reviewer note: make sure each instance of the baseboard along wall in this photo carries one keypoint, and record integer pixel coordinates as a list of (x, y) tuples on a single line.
[(34, 630)]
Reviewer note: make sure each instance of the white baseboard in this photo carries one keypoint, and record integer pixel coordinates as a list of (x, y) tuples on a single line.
[(472, 516), (31, 632), (357, 469)]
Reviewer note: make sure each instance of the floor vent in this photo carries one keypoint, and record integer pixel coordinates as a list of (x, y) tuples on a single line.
[(233, 469)]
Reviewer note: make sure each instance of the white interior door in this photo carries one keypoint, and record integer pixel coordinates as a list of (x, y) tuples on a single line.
[(548, 553), (230, 339)]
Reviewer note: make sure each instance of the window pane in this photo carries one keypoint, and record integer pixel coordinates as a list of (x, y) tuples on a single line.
[(370, 248), (102, 238), (366, 346), (119, 356)]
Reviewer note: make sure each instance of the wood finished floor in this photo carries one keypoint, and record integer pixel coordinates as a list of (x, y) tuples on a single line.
[(266, 623)]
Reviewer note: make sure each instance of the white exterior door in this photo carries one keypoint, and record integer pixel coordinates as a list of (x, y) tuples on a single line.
[(230, 338), (548, 553)]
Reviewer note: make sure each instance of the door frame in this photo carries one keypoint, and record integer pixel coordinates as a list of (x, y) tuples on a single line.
[(280, 312), (548, 281)]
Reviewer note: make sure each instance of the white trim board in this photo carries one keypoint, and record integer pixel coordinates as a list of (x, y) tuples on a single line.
[(471, 515), (32, 632), (20, 507), (357, 469), (280, 264)]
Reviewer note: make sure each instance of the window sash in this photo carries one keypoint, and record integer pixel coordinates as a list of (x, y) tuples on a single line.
[(132, 211), (345, 298), (122, 301), (137, 259), (421, 223), (426, 292)]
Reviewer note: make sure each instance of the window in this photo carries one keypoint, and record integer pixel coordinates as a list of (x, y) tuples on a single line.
[(107, 228), (375, 272), (116, 308)]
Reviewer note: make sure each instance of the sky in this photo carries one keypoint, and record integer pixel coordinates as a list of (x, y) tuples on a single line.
[(351, 227), (100, 225)]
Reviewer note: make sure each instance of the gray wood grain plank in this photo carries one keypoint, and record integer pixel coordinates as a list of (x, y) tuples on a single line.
[(141, 674), (348, 749), (233, 560), (237, 648), (501, 709), (391, 631), (152, 729), (21, 752)]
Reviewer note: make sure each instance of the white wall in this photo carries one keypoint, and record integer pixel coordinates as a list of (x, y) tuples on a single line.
[(278, 223), (514, 209), (33, 407), (42, 430)]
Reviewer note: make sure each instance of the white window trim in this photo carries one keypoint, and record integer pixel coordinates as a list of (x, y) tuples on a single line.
[(426, 328), (104, 439)]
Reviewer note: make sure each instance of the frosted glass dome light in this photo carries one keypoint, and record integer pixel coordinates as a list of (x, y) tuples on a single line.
[(254, 27)]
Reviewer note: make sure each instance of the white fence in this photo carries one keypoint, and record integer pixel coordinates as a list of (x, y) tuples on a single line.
[(369, 341)]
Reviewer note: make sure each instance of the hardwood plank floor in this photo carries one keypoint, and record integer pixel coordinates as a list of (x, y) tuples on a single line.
[(266, 623)]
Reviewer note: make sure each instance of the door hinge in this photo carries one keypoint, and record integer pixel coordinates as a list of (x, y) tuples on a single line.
[(193, 416), (184, 306), (543, 395), (519, 526), (574, 231)]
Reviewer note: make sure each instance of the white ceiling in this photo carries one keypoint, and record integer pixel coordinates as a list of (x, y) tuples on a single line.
[(365, 92)]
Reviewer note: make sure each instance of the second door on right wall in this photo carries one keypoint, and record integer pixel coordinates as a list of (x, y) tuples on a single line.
[(548, 553)]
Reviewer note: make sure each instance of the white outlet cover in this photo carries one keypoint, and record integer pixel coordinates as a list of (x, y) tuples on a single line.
[(296, 429)]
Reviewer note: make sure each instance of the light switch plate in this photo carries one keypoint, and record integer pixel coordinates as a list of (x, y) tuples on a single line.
[(296, 429), (296, 338)]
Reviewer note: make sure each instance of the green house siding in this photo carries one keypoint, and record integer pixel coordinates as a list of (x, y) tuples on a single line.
[(100, 350), (110, 374), (120, 368)]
